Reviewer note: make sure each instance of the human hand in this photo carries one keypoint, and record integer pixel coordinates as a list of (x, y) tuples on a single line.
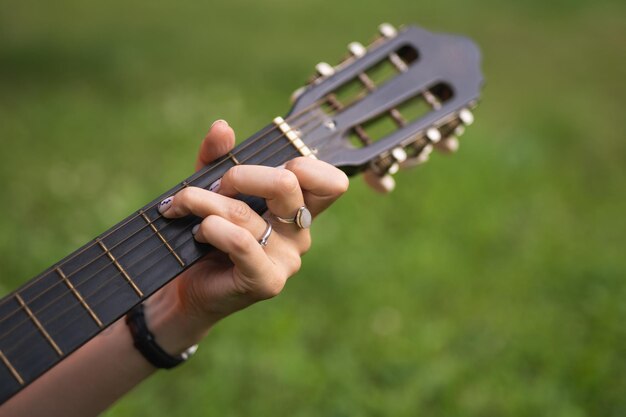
[(243, 272)]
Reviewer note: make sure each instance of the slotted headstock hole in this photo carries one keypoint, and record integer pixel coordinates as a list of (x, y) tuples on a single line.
[(372, 131), (405, 113), (373, 77), (408, 54), (389, 67), (382, 72), (442, 91), (345, 95), (414, 108)]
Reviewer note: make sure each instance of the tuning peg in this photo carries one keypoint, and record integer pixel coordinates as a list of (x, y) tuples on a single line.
[(425, 154), (433, 134), (466, 117), (399, 154), (448, 145), (419, 159), (387, 30), (380, 177), (459, 130), (383, 184), (324, 69), (296, 94), (356, 49), (393, 168)]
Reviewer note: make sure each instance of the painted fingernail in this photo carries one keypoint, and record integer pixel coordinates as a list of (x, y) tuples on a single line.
[(165, 205), (219, 121), (194, 229), (215, 186)]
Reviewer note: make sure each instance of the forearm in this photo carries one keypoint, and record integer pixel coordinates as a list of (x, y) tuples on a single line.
[(103, 370), (87, 382)]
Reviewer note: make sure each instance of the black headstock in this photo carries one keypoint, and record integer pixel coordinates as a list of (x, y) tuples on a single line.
[(385, 105)]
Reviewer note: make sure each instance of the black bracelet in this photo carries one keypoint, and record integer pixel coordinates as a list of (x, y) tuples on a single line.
[(144, 342)]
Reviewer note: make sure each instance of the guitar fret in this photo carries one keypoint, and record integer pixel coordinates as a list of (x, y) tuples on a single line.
[(234, 158), (80, 298), (38, 324), (11, 368), (160, 236), (121, 268)]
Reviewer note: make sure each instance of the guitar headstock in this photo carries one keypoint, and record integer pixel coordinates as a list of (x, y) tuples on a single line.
[(386, 105)]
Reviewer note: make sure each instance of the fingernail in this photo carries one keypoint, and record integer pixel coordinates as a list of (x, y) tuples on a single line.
[(215, 186), (165, 205), (219, 121), (194, 229)]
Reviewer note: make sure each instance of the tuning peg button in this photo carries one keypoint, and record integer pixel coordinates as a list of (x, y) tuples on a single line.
[(399, 154), (448, 145), (324, 69), (387, 30), (357, 49), (466, 117), (428, 149), (296, 94), (419, 159), (382, 184), (393, 168), (433, 134)]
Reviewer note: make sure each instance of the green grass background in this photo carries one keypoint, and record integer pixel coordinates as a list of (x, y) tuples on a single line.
[(490, 283)]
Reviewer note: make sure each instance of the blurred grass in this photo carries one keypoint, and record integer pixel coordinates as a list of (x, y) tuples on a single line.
[(489, 283)]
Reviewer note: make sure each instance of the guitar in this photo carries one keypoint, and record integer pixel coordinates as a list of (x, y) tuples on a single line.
[(382, 108)]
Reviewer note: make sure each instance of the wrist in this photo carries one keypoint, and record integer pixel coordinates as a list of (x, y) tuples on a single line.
[(173, 330)]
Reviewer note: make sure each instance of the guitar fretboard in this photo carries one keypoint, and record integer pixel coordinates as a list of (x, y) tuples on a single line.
[(71, 302)]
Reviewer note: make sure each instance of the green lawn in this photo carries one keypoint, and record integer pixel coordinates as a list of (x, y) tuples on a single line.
[(490, 283)]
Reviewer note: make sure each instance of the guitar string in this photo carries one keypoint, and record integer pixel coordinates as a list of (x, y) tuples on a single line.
[(110, 232), (122, 284), (105, 281), (143, 228), (148, 224), (118, 257), (299, 114), (200, 176), (108, 279)]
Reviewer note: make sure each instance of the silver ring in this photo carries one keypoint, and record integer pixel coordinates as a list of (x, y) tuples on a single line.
[(266, 234), (302, 219)]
